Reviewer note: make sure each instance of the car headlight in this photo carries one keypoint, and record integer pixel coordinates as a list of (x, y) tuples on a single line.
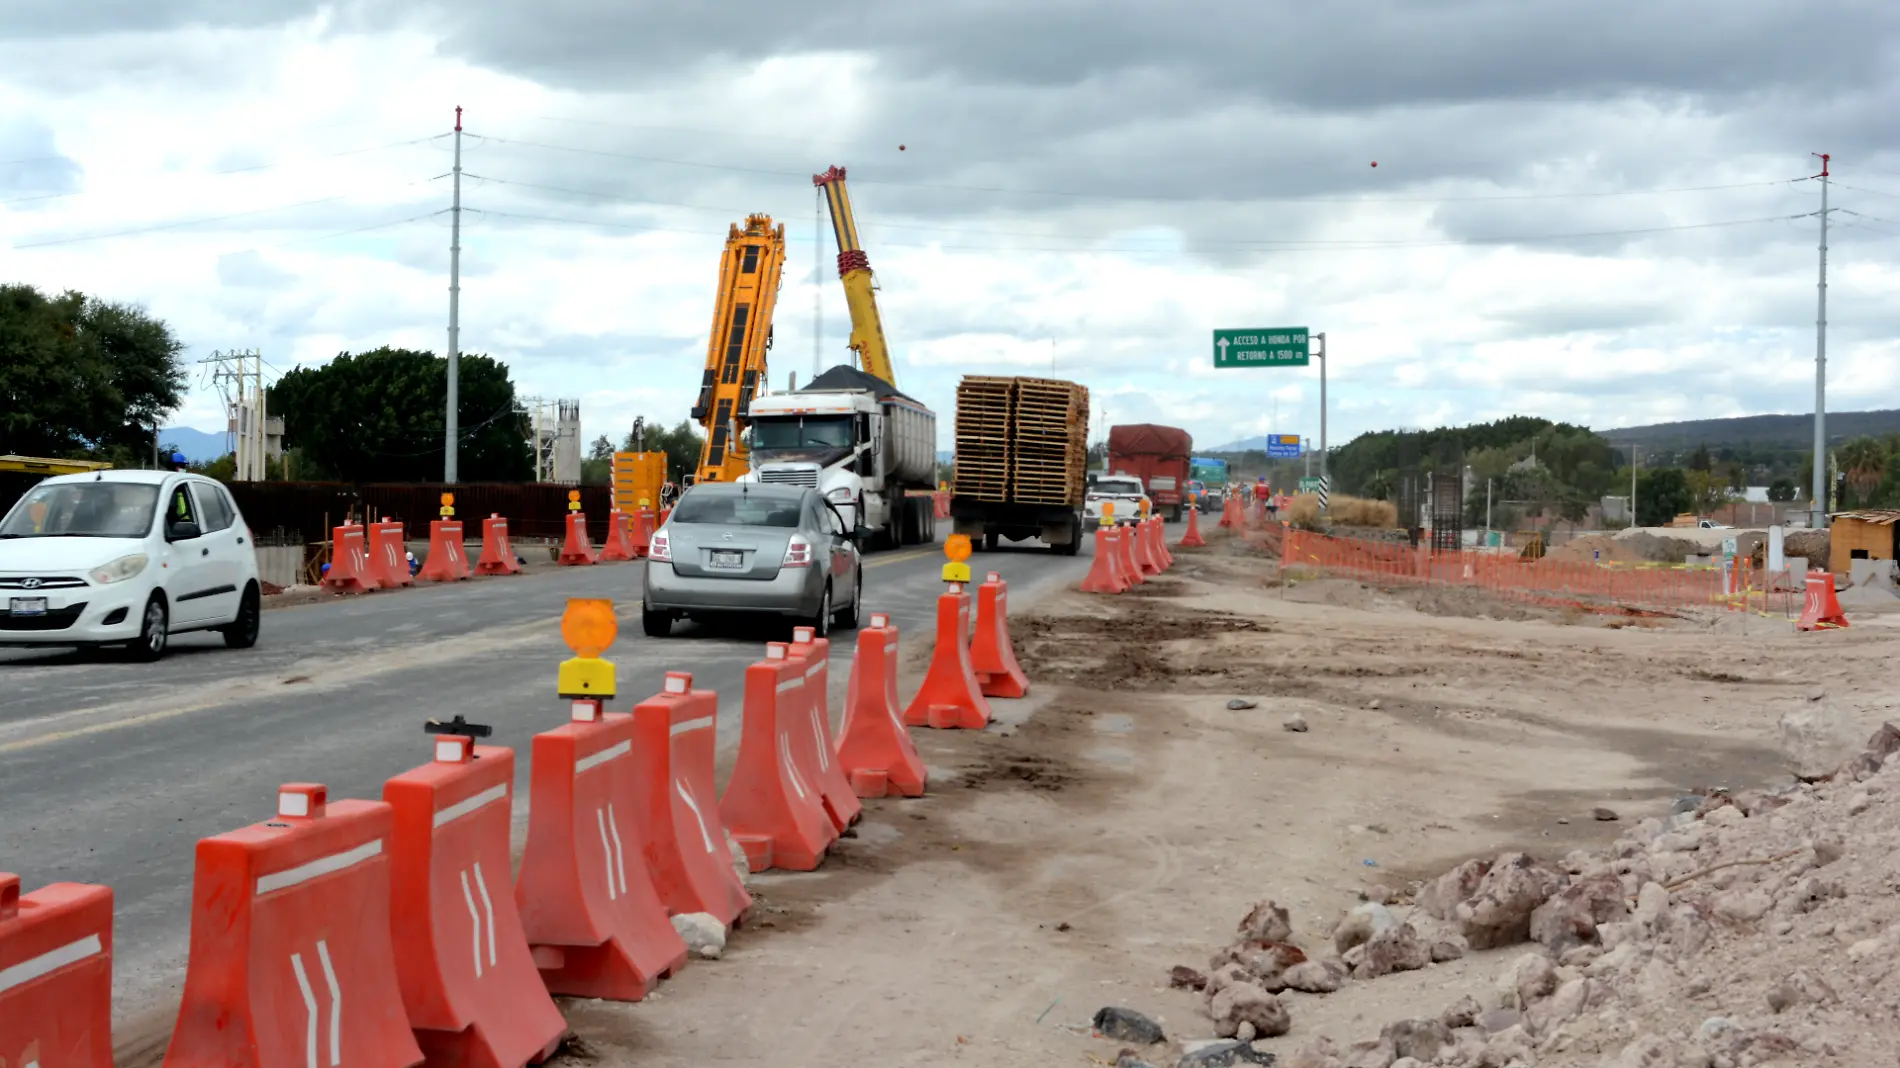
[(119, 570), (841, 494)]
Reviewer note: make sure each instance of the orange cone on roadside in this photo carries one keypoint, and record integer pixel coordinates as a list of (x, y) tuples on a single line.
[(1821, 610), (1125, 552), (950, 696), (1192, 539), (873, 747), (992, 655), (1104, 576)]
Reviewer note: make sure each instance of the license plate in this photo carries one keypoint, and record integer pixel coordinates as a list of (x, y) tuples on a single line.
[(727, 560), (27, 606)]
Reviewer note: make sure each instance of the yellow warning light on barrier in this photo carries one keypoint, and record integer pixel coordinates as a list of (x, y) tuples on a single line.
[(1108, 511), (957, 548), (942, 486), (1144, 508), (645, 503), (448, 504), (588, 627), (573, 500)]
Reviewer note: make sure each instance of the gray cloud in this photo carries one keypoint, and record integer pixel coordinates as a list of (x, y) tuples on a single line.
[(31, 164)]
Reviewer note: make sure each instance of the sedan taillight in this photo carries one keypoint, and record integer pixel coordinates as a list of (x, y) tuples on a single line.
[(797, 553), (661, 548)]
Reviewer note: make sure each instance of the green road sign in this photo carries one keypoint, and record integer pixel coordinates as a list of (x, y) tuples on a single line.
[(1309, 485), (1273, 346)]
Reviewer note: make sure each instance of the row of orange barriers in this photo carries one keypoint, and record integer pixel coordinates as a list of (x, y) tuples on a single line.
[(373, 556), (387, 932)]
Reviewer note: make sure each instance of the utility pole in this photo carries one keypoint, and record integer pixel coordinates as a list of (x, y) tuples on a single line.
[(1817, 520), (1632, 483), (1322, 404), (451, 430)]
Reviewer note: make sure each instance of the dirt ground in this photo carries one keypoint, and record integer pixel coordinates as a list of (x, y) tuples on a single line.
[(1122, 819)]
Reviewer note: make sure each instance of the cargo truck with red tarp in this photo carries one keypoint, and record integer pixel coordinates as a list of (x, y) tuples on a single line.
[(1158, 455)]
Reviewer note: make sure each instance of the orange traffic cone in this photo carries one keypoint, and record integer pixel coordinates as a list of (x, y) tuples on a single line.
[(1192, 539), (1104, 576)]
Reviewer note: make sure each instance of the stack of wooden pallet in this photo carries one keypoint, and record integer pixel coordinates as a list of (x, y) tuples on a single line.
[(985, 408), (1049, 460)]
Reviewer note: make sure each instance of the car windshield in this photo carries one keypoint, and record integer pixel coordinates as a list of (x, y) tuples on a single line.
[(737, 509), (802, 432), (83, 510)]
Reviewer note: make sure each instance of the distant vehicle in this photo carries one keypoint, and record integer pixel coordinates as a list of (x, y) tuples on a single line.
[(1124, 490), (1158, 455), (127, 558), (748, 548)]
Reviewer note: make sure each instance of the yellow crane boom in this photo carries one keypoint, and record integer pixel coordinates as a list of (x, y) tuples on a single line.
[(736, 349), (860, 288)]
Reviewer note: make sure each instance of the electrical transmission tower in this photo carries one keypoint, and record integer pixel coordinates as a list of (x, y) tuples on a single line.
[(238, 376)]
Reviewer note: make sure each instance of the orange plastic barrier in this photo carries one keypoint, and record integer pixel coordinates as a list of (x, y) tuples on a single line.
[(685, 843), (578, 549), (940, 505), (950, 697), (1230, 512), (1821, 610), (874, 748), (841, 802), (773, 811), (1127, 554), (291, 961), (55, 975), (468, 979), (498, 554), (992, 656), (1192, 539), (349, 561), (644, 524), (446, 562), (1104, 571), (389, 555), (1158, 544), (618, 546), (592, 915)]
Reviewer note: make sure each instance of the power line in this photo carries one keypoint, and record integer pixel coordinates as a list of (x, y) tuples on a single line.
[(177, 224), (240, 170), (1862, 189), (1286, 198)]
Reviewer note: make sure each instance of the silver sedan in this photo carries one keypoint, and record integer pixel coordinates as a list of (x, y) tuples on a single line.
[(739, 548)]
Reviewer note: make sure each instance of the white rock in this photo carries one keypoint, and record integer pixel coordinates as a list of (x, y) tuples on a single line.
[(740, 866), (1817, 736), (1726, 816), (704, 935)]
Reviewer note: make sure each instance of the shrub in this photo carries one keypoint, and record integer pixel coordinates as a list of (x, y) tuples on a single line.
[(1303, 512)]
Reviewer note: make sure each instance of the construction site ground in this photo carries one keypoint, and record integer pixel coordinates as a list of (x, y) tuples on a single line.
[(1124, 818)]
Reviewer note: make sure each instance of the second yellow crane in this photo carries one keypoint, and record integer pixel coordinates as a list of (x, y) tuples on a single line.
[(860, 287)]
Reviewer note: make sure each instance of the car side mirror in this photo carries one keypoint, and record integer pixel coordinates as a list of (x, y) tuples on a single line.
[(183, 530)]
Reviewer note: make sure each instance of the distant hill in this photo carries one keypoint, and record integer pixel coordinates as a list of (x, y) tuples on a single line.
[(1253, 444), (1757, 431), (197, 445)]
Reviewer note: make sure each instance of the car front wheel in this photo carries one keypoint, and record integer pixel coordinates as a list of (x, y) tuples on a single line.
[(154, 630), (242, 633), (821, 624), (848, 619)]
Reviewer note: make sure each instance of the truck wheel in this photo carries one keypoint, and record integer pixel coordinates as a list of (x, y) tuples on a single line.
[(989, 541), (1075, 541)]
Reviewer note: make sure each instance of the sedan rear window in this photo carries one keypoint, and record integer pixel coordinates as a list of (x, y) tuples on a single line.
[(737, 510), (95, 509)]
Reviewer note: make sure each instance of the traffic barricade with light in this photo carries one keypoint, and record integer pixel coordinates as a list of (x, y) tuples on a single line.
[(772, 808), (1192, 539), (55, 975), (291, 959), (618, 545), (992, 656), (389, 555), (588, 904), (447, 561), (1127, 555), (578, 548), (675, 735), (874, 747), (841, 802), (644, 524), (468, 979), (349, 570), (498, 553), (950, 696)]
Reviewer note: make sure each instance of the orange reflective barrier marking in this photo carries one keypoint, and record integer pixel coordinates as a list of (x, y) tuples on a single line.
[(577, 549), (992, 656), (874, 748), (841, 802), (1104, 575), (1821, 610), (588, 905), (291, 961), (55, 975), (446, 562), (950, 697), (772, 808), (349, 561), (675, 736), (498, 554), (468, 979)]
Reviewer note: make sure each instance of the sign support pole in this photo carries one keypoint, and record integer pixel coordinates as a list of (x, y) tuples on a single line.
[(1322, 403)]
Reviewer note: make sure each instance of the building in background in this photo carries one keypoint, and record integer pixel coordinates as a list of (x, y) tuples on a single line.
[(555, 436)]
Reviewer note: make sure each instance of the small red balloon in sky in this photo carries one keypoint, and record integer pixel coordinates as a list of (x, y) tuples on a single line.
[(900, 148), (1375, 163)]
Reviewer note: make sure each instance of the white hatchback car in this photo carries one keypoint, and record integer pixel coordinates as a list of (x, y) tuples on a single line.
[(1124, 491), (126, 558)]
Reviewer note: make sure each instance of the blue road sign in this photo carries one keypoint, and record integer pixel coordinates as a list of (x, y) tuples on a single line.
[(1283, 446)]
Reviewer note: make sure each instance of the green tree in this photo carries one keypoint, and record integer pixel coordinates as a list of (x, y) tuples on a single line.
[(1864, 461), (1781, 490), (80, 376), (1662, 494), (377, 416), (682, 446), (597, 469), (1699, 460)]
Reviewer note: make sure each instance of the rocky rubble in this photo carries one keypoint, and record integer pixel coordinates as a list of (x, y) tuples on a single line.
[(1761, 928)]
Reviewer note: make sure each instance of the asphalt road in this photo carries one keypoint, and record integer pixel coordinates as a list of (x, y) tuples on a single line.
[(110, 771)]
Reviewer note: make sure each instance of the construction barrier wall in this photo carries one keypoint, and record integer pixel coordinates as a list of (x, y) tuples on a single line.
[(1591, 585), (534, 509)]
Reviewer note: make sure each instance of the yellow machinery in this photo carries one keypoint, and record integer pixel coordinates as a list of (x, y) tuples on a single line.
[(860, 289), (735, 352), (638, 477), (35, 465)]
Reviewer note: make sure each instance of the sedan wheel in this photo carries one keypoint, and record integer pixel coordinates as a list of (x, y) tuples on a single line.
[(821, 626), (154, 627)]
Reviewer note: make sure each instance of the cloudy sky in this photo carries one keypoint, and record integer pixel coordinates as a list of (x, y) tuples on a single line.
[(1597, 212)]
